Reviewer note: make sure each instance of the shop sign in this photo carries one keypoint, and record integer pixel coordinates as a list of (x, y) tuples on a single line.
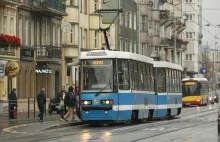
[(2, 70), (43, 71), (12, 69), (27, 55)]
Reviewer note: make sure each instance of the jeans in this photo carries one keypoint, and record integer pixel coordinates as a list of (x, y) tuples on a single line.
[(41, 109)]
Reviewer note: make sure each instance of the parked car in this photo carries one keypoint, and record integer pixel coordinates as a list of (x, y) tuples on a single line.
[(216, 98), (211, 98), (53, 105)]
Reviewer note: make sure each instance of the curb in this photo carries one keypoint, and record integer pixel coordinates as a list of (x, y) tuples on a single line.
[(62, 126)]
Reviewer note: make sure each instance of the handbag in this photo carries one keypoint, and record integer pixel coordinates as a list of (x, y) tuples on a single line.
[(61, 105)]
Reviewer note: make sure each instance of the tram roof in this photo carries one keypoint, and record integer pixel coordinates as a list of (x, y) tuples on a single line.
[(194, 79), (164, 64), (107, 54)]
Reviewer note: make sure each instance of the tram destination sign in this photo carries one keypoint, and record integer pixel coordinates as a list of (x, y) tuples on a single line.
[(97, 62), (190, 83)]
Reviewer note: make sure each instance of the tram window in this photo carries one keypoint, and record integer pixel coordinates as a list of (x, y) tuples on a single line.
[(148, 79), (115, 85), (141, 78), (144, 77), (136, 74), (167, 80), (161, 78), (170, 80), (180, 83), (175, 81), (123, 75), (131, 68), (152, 78)]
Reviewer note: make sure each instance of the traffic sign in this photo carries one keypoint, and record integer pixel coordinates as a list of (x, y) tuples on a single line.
[(203, 70)]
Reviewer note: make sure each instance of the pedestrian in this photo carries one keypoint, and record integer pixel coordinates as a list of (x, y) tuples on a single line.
[(70, 101), (62, 105), (13, 105), (41, 101)]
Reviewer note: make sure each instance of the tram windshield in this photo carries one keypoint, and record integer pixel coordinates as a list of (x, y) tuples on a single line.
[(97, 74), (193, 88)]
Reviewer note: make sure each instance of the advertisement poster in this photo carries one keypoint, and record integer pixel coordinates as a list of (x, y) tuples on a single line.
[(2, 70), (111, 34)]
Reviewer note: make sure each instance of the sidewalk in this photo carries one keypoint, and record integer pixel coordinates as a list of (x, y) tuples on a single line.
[(40, 126)]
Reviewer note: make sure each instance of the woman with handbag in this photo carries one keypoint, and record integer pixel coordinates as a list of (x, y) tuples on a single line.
[(62, 106)]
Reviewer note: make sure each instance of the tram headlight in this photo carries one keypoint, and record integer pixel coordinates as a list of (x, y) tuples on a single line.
[(86, 102), (107, 102)]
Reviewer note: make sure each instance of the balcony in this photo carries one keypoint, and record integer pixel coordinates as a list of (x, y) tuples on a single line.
[(164, 42), (166, 18), (180, 25), (49, 7), (10, 2), (7, 52), (49, 53)]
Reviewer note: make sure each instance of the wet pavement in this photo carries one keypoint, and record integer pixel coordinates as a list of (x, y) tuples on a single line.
[(196, 124)]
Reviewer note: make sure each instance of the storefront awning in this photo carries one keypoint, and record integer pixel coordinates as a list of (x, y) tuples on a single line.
[(73, 64)]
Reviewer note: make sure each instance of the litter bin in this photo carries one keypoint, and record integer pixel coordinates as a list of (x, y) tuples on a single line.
[(12, 109)]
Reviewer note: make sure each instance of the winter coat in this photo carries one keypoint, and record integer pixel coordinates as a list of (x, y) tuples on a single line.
[(41, 98)]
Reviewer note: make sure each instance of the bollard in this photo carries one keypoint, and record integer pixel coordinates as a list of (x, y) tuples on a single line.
[(28, 107), (9, 113), (34, 107), (45, 108)]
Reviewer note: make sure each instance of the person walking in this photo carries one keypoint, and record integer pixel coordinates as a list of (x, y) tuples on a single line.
[(70, 101), (41, 101), (13, 105), (62, 105)]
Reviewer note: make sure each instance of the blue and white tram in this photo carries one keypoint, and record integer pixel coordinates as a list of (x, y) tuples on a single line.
[(169, 91), (116, 86)]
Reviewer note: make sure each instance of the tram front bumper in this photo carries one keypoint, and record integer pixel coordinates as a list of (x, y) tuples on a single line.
[(98, 113)]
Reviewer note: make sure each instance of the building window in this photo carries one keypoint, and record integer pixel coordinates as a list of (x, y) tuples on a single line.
[(135, 47), (126, 18), (58, 36), (54, 34), (85, 38), (72, 34), (38, 33), (120, 44), (32, 32), (130, 19), (20, 28), (121, 19), (43, 32), (5, 24), (142, 48), (12, 26), (189, 57), (135, 21), (190, 17), (130, 46), (26, 32), (85, 6), (188, 0), (126, 44), (96, 5), (96, 38), (156, 27), (190, 35), (143, 22)]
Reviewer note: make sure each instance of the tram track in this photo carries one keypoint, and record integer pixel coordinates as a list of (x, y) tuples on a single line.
[(137, 127)]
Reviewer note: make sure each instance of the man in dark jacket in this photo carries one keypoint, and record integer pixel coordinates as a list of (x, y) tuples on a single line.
[(41, 101), (12, 98)]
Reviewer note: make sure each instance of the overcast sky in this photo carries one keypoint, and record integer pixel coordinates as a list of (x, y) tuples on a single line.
[(211, 13)]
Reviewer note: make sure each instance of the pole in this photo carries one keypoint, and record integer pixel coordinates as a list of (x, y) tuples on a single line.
[(79, 31), (175, 40), (200, 31)]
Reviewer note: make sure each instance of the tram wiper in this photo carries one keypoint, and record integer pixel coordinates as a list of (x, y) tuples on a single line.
[(103, 88)]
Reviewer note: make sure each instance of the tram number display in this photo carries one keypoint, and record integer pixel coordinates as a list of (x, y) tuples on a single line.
[(97, 62), (190, 83)]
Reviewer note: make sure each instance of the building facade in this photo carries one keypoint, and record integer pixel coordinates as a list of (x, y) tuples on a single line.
[(38, 25), (8, 16), (123, 34), (90, 36), (191, 33)]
